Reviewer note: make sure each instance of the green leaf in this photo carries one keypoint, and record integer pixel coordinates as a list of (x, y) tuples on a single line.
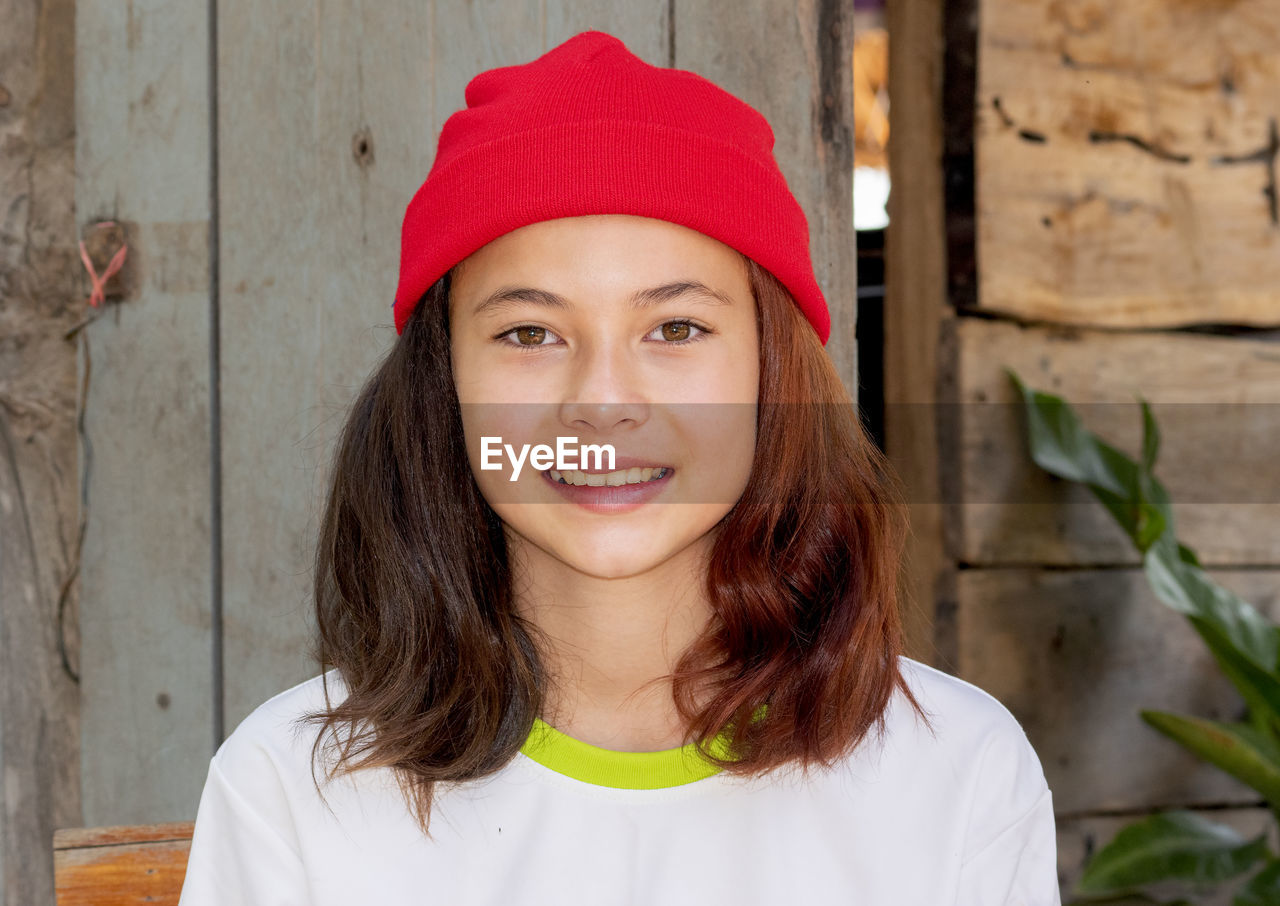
[(1187, 588), (1263, 888), (1061, 445), (1260, 688), (1153, 499), (1174, 845), (1150, 438), (1237, 748), (1149, 525)]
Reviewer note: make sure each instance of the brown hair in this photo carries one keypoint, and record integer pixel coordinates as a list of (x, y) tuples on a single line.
[(413, 590)]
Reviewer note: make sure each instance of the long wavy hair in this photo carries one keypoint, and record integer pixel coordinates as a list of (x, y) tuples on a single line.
[(444, 678)]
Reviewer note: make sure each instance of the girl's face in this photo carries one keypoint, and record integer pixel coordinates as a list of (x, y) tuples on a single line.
[(607, 329)]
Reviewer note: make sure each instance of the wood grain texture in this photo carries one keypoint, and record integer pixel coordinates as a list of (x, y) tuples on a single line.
[(142, 158), (1074, 655), (328, 127), (84, 837), (915, 310), (1127, 161), (121, 865), (40, 300), (1215, 399)]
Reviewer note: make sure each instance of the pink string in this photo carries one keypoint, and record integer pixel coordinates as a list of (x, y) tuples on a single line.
[(98, 295)]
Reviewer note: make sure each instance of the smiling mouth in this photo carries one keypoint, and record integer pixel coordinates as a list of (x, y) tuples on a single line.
[(621, 477)]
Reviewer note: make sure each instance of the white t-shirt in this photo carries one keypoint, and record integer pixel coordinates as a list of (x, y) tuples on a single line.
[(963, 818)]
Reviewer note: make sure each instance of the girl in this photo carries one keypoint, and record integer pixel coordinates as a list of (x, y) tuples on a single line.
[(675, 677)]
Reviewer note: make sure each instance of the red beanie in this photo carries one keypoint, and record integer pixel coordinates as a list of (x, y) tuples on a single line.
[(590, 128)]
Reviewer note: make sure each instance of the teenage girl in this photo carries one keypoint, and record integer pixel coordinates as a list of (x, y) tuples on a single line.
[(673, 678)]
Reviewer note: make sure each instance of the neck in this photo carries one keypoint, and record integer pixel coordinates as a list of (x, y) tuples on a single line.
[(612, 641)]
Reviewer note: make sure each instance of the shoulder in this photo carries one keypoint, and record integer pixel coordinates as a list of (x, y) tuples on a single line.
[(977, 745), (258, 778), (969, 729), (274, 742), (957, 702)]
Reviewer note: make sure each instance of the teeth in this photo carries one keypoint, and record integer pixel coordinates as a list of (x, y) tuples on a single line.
[(607, 479)]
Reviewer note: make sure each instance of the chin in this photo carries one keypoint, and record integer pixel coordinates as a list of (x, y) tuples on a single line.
[(614, 551), (611, 564), (610, 555)]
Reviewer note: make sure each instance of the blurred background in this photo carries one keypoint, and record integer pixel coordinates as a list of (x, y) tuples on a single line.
[(198, 253)]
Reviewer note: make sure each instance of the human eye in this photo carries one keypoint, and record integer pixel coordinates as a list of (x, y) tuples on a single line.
[(526, 336), (679, 332)]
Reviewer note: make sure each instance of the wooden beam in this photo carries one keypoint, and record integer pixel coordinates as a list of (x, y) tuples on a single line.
[(121, 865), (915, 312), (40, 301)]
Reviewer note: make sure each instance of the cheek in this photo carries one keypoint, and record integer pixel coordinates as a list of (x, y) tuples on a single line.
[(477, 373), (473, 380), (732, 445), (735, 375), (502, 425), (716, 449)]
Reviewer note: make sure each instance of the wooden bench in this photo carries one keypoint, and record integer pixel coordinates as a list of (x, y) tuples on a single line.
[(121, 866)]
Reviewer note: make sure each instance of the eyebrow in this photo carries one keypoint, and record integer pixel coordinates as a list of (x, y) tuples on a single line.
[(655, 295)]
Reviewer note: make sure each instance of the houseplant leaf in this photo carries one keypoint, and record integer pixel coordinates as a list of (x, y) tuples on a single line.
[(1141, 505), (1187, 588), (1150, 438), (1062, 446), (1174, 845), (1259, 688), (1263, 888), (1239, 749)]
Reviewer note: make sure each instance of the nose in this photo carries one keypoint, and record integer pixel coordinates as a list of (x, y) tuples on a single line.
[(606, 390)]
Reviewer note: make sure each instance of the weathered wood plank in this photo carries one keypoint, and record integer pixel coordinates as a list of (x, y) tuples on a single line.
[(142, 158), (333, 123), (915, 307), (645, 27), (39, 479), (83, 837), (121, 866), (1127, 161), (1074, 655), (794, 63), (1216, 399)]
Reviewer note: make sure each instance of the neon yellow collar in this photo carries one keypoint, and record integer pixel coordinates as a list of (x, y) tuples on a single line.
[(624, 770)]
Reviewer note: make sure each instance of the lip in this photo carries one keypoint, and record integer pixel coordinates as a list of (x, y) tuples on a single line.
[(612, 500)]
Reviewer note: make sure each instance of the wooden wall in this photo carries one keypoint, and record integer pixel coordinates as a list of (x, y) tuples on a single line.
[(1089, 197), (40, 303), (262, 177)]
